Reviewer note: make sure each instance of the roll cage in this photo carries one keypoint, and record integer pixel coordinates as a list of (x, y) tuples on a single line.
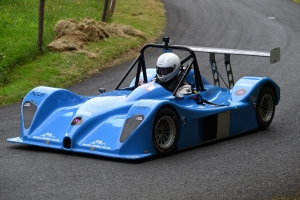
[(274, 55), (141, 67)]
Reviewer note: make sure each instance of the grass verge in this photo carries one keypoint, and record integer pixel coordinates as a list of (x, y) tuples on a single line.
[(64, 69), (294, 196), (19, 27)]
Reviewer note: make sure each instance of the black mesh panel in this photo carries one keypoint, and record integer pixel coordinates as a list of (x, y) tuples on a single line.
[(29, 110), (130, 126)]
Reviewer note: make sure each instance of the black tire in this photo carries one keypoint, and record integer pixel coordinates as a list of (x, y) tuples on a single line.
[(265, 107), (165, 131)]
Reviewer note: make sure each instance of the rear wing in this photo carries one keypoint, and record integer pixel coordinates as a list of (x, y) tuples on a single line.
[(274, 56)]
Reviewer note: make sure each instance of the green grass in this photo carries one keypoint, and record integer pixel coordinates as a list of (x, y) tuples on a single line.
[(19, 27), (297, 1), (64, 69), (18, 35)]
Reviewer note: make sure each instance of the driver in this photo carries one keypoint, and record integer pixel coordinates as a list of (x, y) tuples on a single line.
[(168, 73)]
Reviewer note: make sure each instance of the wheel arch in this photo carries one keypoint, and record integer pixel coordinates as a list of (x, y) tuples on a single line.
[(170, 107), (275, 89), (247, 89)]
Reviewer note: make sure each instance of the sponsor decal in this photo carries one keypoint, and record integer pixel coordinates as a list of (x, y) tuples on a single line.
[(148, 87), (144, 105), (77, 121), (47, 137), (240, 92), (97, 144), (244, 84), (26, 104), (139, 118), (38, 93)]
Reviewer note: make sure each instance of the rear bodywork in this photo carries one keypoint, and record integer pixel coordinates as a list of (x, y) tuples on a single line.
[(119, 123)]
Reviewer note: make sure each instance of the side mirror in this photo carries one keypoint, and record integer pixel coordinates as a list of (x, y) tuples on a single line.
[(102, 90)]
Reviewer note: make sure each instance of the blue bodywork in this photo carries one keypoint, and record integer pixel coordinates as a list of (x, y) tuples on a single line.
[(119, 123)]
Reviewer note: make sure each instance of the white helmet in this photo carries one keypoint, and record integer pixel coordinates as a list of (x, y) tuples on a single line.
[(167, 66)]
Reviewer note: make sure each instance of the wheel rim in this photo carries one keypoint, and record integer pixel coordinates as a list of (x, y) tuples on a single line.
[(165, 132), (266, 108)]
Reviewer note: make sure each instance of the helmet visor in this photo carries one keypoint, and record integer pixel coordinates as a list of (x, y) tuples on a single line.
[(161, 71)]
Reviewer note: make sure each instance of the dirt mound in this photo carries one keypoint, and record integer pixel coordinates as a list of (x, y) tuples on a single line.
[(73, 35)]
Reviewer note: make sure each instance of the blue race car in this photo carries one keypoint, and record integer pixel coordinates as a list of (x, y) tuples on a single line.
[(143, 118)]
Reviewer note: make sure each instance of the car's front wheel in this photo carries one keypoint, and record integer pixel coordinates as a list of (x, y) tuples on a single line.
[(165, 131), (265, 107)]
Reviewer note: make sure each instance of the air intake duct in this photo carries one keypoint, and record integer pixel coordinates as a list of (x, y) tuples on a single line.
[(67, 143)]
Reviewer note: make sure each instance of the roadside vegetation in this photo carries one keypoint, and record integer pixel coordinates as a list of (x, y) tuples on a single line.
[(57, 69), (294, 196), (19, 27)]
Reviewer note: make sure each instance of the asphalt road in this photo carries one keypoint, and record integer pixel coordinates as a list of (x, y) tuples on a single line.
[(257, 165)]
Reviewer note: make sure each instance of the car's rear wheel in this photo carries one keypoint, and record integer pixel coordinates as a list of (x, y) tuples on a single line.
[(165, 131), (265, 107)]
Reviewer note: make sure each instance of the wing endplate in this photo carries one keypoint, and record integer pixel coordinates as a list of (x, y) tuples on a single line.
[(275, 55)]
